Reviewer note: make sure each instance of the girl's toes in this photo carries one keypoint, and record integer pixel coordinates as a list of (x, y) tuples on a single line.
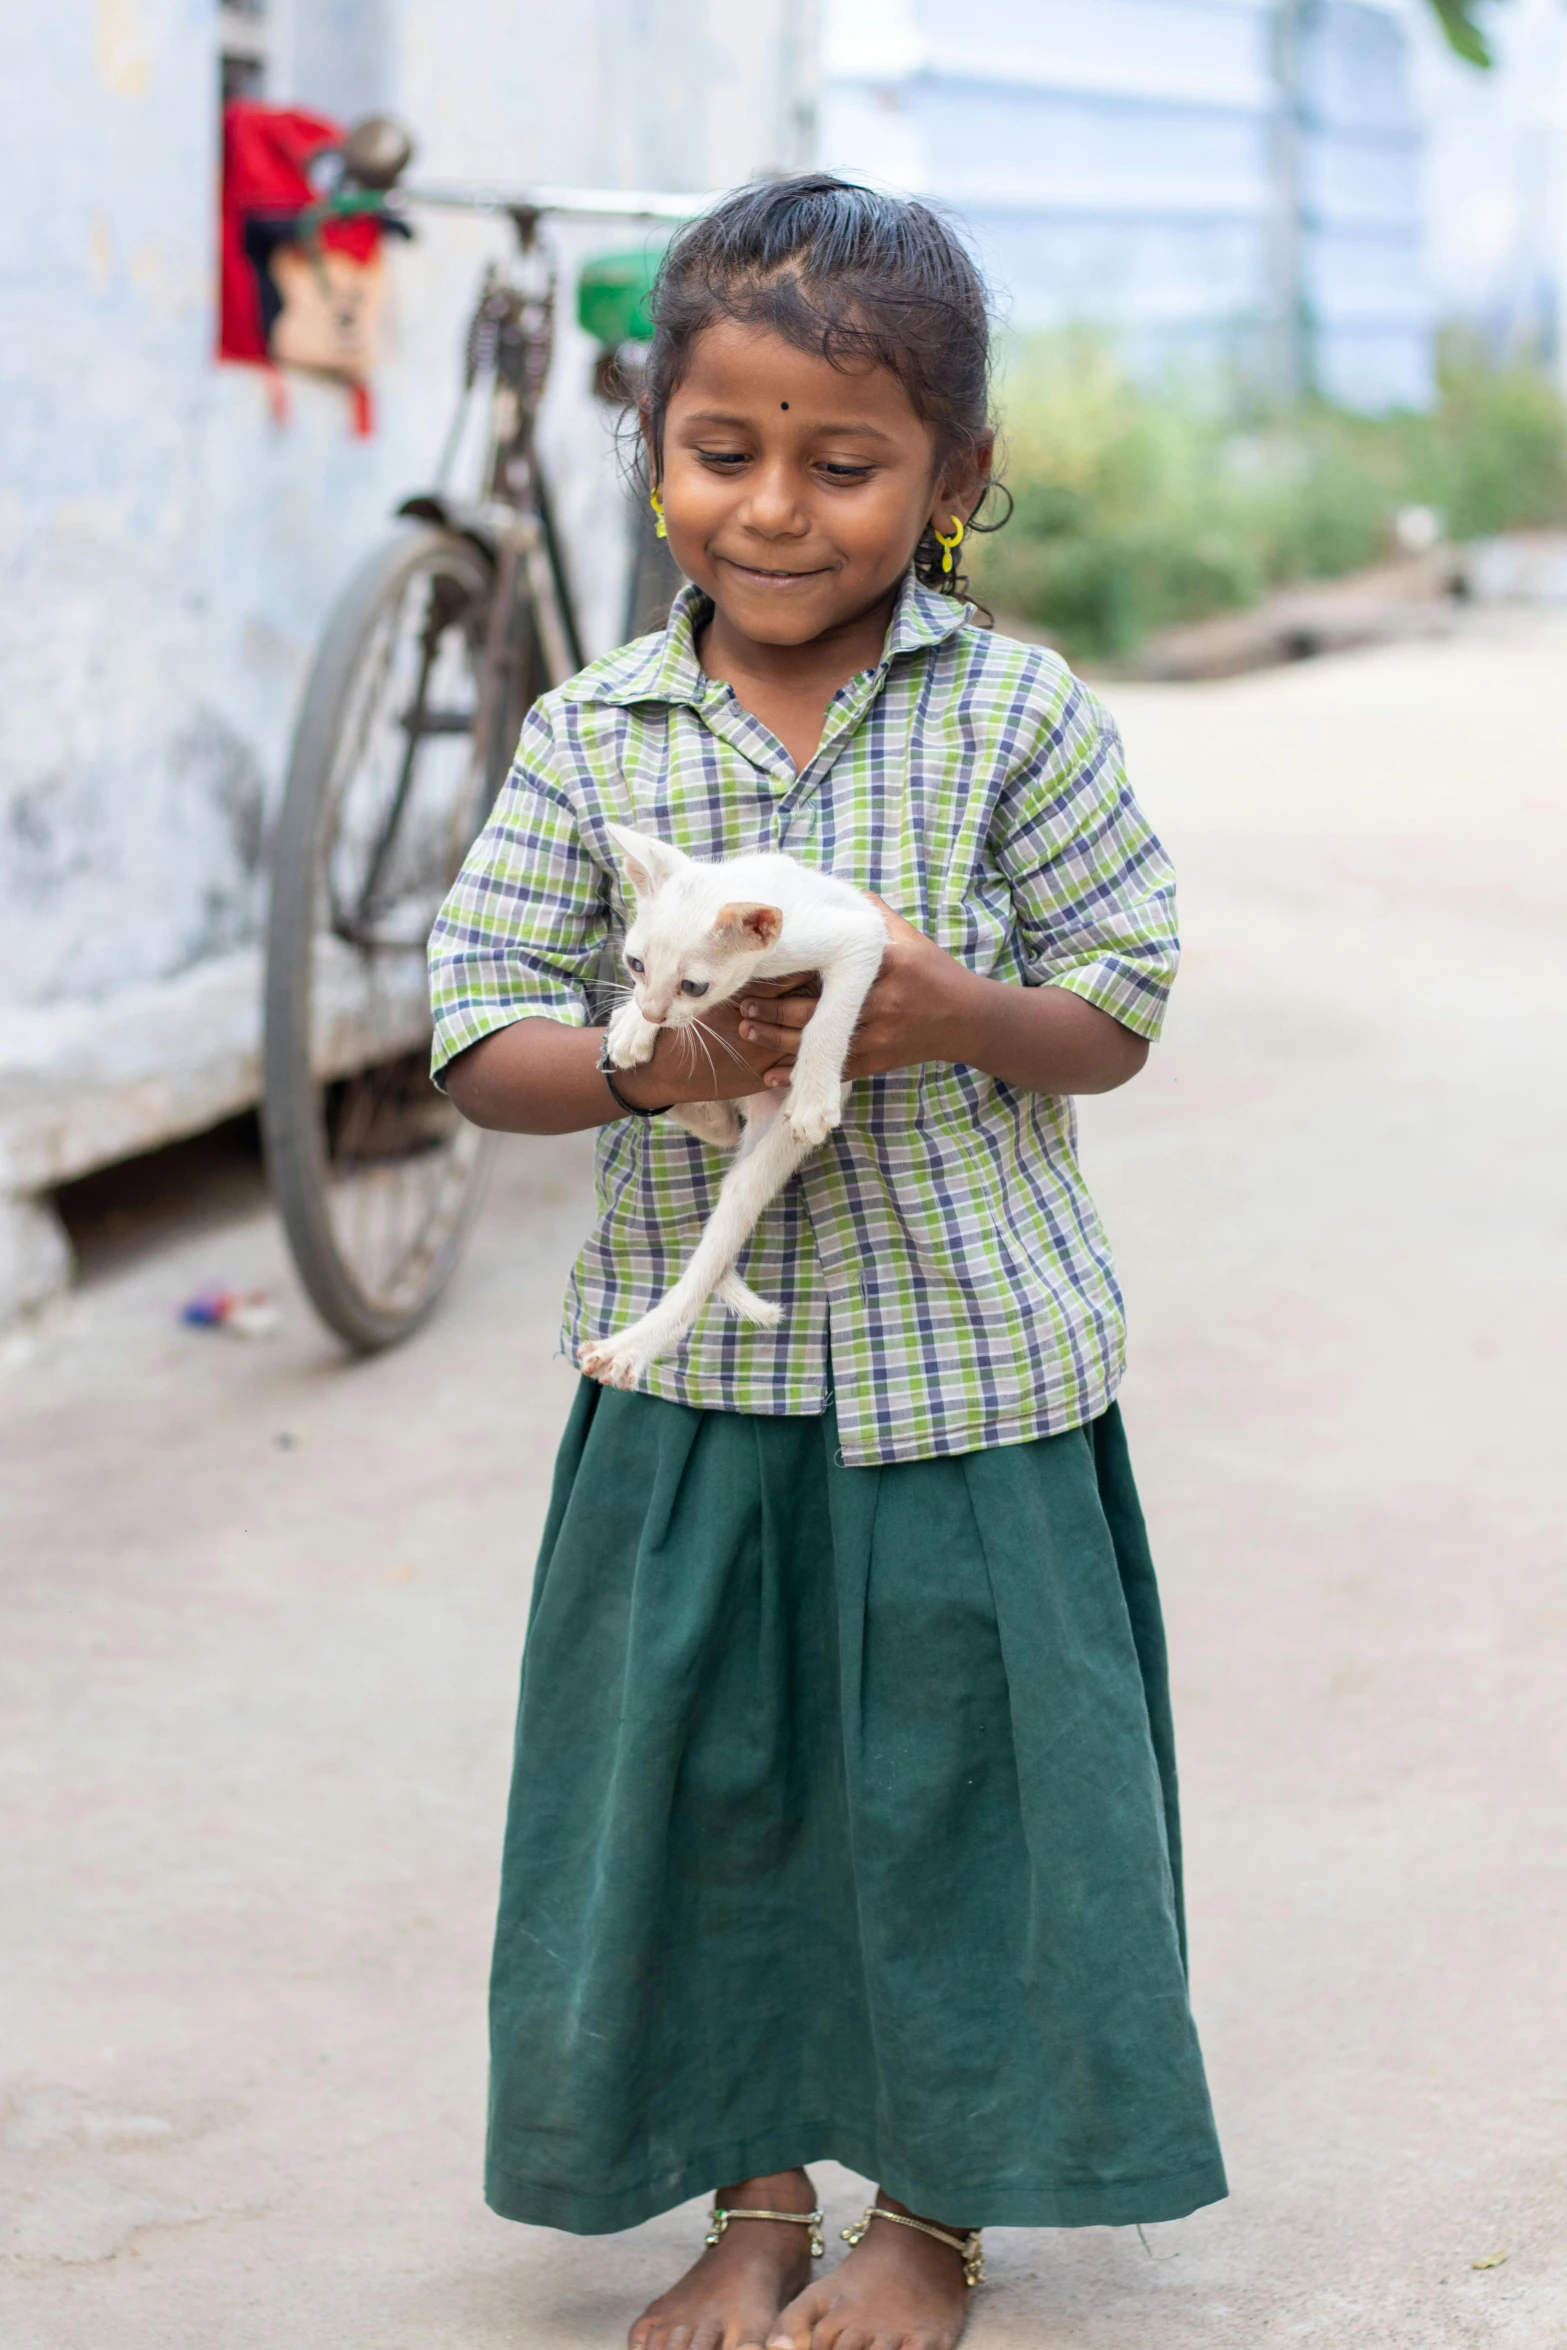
[(797, 2323)]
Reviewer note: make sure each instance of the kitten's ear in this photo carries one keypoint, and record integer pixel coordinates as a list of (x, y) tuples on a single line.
[(752, 927), (649, 862)]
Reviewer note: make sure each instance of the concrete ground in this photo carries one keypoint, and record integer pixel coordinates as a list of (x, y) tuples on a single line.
[(263, 1607)]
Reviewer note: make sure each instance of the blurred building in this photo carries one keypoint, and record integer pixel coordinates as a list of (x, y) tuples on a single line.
[(1298, 189), (171, 547), (1496, 181), (1209, 176)]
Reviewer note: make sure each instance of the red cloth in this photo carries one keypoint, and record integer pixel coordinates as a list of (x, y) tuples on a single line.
[(265, 153)]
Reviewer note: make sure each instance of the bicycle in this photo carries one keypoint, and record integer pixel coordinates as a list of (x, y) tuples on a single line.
[(427, 667)]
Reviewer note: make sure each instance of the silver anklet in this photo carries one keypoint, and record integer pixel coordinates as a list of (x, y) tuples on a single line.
[(718, 2220), (968, 2248)]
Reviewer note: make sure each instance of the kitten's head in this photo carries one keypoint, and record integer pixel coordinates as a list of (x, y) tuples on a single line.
[(688, 947)]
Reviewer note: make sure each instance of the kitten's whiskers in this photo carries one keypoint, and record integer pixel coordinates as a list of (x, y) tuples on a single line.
[(692, 1040), (723, 1041)]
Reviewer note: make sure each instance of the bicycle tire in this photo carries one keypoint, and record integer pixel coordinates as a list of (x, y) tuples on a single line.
[(303, 1088)]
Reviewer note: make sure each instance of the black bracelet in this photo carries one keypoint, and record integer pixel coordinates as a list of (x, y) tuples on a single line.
[(635, 1108), (606, 1071)]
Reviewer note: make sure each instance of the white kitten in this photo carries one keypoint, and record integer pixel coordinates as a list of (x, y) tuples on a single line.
[(702, 933)]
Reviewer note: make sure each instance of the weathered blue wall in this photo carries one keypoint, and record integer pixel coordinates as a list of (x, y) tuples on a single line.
[(168, 551)]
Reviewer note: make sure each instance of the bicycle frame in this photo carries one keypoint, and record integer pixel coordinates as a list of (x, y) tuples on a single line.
[(511, 341), (447, 629)]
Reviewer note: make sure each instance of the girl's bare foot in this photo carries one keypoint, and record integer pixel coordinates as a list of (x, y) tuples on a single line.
[(897, 2290), (729, 2299)]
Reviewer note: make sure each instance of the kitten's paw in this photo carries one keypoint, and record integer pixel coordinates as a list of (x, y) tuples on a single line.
[(629, 1039), (603, 1364), (813, 1116), (621, 1361)]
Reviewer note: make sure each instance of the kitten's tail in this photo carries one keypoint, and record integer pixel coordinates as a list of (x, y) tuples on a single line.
[(733, 1293)]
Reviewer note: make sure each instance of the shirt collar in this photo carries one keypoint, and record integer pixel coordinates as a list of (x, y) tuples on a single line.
[(664, 668)]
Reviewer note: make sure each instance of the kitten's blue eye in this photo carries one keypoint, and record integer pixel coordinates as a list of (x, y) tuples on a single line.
[(636, 964), (695, 986)]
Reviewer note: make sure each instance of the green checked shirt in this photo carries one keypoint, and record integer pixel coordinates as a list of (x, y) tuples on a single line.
[(939, 1261)]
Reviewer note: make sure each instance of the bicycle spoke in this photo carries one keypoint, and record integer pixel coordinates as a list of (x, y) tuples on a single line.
[(411, 745)]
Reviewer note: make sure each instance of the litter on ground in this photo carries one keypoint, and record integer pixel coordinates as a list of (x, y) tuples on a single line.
[(249, 1313)]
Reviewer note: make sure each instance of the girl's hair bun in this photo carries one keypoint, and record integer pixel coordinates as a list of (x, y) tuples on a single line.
[(858, 277)]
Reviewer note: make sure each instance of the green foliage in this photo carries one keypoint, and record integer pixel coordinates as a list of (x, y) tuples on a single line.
[(1497, 446), (1138, 509), (1123, 517), (1457, 20)]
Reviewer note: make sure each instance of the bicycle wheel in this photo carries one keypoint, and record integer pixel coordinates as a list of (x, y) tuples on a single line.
[(376, 1176)]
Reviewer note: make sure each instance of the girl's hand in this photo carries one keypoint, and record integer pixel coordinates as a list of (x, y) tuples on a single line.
[(913, 1012), (924, 1005), (720, 1061), (540, 1077)]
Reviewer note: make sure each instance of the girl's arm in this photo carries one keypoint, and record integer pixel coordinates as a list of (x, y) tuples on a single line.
[(536, 1077), (926, 1006), (539, 1076), (1093, 898)]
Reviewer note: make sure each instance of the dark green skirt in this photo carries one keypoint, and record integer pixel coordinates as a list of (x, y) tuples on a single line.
[(843, 1827)]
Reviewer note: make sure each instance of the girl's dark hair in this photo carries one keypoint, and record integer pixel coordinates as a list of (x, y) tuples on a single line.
[(859, 278)]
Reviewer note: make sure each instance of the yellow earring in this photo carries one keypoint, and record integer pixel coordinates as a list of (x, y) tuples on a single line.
[(660, 527), (949, 546)]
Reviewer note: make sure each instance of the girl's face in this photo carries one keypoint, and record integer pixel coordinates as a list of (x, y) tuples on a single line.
[(794, 492)]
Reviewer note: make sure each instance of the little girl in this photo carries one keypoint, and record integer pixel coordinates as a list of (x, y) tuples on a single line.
[(844, 1815)]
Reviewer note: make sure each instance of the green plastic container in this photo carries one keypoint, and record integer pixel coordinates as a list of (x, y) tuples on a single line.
[(612, 293)]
